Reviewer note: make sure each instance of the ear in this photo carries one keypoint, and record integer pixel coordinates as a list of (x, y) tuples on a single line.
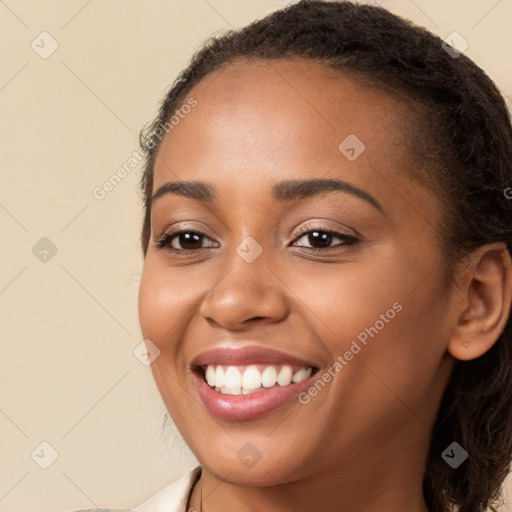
[(486, 287)]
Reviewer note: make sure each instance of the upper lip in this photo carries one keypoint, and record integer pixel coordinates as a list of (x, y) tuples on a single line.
[(251, 354)]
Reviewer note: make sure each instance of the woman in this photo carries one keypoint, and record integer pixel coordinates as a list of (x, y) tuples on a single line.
[(327, 274)]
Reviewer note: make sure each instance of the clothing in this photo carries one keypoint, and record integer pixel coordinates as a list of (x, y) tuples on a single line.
[(173, 498)]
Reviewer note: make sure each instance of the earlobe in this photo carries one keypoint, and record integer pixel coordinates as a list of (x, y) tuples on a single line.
[(486, 284)]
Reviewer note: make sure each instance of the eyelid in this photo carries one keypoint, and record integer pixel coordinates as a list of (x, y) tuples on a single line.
[(319, 225), (184, 225)]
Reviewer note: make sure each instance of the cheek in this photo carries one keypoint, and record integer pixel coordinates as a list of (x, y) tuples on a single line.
[(399, 366), (388, 318), (160, 323), (162, 312), (163, 303), (168, 301), (343, 300), (152, 305)]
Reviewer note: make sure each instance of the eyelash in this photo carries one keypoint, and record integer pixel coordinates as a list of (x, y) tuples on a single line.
[(164, 241)]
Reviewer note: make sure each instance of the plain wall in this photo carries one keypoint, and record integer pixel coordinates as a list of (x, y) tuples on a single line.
[(69, 324)]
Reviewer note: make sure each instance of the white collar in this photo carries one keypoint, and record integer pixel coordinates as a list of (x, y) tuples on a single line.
[(174, 497)]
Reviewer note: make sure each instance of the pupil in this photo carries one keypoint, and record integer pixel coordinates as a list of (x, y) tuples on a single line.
[(189, 238), (320, 238)]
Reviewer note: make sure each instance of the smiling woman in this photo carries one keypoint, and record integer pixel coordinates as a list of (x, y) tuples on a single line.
[(330, 222)]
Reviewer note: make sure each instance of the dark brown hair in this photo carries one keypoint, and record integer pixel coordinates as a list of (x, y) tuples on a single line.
[(461, 142)]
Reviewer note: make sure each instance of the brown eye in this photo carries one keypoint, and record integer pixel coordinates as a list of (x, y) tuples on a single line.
[(186, 241), (321, 239), (183, 241)]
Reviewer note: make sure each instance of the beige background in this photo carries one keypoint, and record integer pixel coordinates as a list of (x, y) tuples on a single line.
[(69, 325)]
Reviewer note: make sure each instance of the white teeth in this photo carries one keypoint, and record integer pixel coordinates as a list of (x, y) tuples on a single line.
[(210, 376), (269, 377), (301, 374), (247, 391), (284, 377), (230, 391), (252, 378), (233, 378), (219, 376), (237, 380)]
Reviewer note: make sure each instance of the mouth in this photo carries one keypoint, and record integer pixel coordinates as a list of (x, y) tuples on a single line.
[(254, 378), (244, 383)]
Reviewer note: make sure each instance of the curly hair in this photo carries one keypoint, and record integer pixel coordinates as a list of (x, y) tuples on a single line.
[(461, 142)]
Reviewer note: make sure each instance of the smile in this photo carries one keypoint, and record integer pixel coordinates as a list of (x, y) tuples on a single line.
[(244, 380)]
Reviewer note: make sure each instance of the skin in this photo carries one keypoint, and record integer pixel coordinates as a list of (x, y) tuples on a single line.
[(360, 445)]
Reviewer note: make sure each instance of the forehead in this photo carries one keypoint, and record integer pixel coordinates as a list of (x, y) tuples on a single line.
[(272, 118), (301, 83)]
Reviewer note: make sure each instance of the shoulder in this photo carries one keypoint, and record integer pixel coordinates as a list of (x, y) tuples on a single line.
[(173, 498)]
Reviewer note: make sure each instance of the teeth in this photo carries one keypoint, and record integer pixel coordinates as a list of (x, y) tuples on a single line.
[(302, 374), (219, 377), (210, 376), (252, 378), (238, 380), (233, 378), (269, 377), (228, 391), (285, 375)]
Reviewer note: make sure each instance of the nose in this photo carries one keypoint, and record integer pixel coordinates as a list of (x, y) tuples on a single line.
[(245, 294)]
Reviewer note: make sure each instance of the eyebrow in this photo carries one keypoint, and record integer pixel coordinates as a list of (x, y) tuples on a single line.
[(283, 191)]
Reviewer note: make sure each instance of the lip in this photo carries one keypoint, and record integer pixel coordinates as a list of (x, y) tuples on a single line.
[(247, 407), (251, 354)]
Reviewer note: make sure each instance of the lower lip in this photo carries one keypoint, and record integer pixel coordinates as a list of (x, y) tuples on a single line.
[(247, 407)]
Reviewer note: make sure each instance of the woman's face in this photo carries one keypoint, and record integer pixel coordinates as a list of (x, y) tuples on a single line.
[(345, 277)]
